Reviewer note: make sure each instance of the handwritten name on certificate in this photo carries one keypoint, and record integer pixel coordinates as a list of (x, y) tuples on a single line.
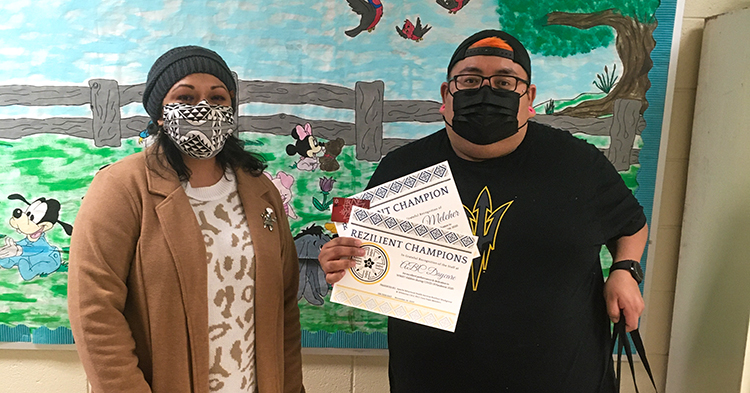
[(410, 271), (428, 196)]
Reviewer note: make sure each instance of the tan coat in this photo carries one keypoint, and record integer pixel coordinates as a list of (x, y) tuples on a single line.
[(137, 292)]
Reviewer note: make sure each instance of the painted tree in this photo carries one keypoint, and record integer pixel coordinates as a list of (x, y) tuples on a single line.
[(569, 27)]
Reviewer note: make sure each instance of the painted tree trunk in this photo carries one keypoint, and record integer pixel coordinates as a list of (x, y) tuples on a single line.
[(634, 44)]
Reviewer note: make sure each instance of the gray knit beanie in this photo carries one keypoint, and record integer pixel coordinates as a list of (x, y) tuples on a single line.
[(178, 63)]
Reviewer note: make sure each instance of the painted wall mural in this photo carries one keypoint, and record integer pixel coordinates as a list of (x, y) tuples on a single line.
[(325, 89)]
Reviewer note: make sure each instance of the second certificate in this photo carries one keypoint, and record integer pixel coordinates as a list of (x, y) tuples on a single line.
[(410, 271)]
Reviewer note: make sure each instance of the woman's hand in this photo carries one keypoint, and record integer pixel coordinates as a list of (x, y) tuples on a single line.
[(335, 257)]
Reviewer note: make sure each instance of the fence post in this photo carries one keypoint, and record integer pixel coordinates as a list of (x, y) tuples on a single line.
[(105, 108), (368, 119), (622, 132), (237, 100)]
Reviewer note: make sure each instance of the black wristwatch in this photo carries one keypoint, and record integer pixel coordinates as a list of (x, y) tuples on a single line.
[(630, 265)]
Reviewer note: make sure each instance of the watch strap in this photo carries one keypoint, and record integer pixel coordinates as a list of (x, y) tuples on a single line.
[(627, 264)]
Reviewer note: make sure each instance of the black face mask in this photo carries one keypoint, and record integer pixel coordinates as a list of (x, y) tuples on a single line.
[(485, 116)]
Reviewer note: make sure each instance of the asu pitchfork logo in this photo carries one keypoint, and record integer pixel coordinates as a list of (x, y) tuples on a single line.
[(484, 221)]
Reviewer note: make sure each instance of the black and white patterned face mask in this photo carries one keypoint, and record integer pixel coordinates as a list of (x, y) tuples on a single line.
[(201, 130)]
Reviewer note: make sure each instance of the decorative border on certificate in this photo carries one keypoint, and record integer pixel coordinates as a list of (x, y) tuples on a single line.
[(395, 308), (404, 184), (428, 199), (393, 224)]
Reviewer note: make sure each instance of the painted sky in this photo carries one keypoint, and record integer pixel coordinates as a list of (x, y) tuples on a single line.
[(67, 42)]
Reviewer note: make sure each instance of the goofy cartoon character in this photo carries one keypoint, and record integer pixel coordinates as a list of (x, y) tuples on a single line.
[(33, 255)]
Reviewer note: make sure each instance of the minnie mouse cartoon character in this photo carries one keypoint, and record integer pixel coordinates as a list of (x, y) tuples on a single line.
[(307, 146)]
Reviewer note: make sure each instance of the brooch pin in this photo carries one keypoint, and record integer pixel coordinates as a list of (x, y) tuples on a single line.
[(268, 219)]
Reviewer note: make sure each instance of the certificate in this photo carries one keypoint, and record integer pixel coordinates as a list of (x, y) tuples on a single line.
[(410, 271), (428, 196)]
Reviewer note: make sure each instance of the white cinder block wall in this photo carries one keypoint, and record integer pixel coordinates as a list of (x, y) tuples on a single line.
[(36, 371)]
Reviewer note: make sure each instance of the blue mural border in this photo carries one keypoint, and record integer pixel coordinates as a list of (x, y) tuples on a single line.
[(41, 335), (654, 115), (356, 340)]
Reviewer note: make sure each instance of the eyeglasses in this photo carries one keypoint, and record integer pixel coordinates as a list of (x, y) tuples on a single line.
[(497, 82)]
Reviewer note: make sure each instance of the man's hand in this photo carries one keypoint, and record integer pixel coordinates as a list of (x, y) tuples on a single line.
[(10, 249), (621, 290), (335, 257), (621, 293)]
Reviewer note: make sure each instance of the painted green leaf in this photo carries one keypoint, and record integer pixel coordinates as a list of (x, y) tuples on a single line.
[(529, 24)]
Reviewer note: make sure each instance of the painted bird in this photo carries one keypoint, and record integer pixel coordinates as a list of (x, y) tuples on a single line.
[(409, 31), (370, 11), (452, 6)]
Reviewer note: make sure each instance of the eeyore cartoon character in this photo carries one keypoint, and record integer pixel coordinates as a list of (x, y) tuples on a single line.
[(312, 279)]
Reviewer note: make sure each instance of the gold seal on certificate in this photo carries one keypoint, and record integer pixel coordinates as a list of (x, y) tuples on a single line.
[(372, 267)]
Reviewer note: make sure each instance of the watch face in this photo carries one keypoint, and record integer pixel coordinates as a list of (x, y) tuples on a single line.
[(637, 271), (371, 267)]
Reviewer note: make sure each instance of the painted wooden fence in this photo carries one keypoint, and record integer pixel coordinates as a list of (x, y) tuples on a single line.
[(106, 127)]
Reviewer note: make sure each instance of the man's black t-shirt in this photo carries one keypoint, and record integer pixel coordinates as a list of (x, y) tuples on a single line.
[(533, 318)]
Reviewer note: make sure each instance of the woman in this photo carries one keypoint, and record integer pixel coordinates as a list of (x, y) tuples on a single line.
[(183, 271)]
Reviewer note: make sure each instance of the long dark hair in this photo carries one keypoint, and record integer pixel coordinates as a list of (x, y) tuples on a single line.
[(233, 155)]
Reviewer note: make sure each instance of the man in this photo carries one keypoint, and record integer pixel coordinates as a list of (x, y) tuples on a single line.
[(535, 313)]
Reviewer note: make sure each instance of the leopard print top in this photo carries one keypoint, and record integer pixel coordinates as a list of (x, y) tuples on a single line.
[(231, 285)]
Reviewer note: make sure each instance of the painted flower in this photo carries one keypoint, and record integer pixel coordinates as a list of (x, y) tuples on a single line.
[(326, 184)]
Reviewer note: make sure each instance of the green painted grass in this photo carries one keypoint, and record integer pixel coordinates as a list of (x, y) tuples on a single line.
[(61, 167), (49, 166), (562, 104), (334, 317), (35, 303), (16, 297)]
